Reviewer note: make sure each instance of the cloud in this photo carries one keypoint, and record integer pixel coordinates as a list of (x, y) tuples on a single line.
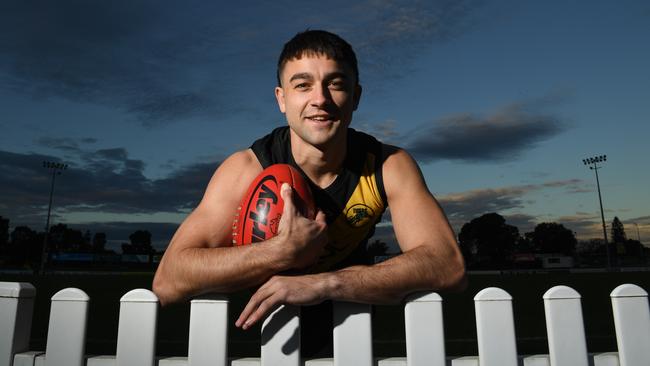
[(462, 207), (165, 61), (104, 180), (501, 136), (140, 57)]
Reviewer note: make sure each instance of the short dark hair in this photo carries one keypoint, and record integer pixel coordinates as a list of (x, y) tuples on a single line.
[(318, 42)]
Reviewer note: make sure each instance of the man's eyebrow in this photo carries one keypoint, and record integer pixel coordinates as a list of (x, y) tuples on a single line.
[(336, 75), (308, 76), (301, 75)]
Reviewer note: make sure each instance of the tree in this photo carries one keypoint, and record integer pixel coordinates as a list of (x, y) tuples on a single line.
[(618, 231), (65, 239), (26, 245), (140, 243), (551, 237), (99, 242), (488, 239)]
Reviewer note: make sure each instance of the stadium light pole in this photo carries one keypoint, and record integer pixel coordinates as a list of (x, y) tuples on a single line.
[(56, 169), (593, 165)]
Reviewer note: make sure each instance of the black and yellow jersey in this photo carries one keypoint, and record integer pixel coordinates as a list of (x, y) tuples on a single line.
[(353, 203)]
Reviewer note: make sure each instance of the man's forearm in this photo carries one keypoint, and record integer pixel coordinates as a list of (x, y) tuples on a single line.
[(391, 281), (193, 271)]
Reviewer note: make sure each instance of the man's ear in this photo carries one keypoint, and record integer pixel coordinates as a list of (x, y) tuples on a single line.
[(279, 96), (357, 95)]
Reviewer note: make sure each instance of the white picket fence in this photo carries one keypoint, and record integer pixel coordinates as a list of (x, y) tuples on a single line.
[(352, 336)]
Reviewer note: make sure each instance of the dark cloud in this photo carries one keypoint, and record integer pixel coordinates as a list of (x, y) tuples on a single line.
[(104, 181), (136, 56), (501, 136), (388, 34), (164, 61), (464, 206)]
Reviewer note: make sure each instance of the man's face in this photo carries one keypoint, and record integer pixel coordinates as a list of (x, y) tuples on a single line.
[(318, 96)]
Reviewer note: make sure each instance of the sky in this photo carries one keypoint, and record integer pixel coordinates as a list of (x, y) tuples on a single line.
[(499, 102)]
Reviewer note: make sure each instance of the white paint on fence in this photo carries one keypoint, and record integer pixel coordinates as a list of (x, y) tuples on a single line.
[(104, 360), (208, 339), (465, 361), (495, 328), (16, 308), (537, 360), (281, 337), (352, 334), (26, 358), (632, 321), (66, 333), (425, 339), (564, 327), (136, 332), (606, 359)]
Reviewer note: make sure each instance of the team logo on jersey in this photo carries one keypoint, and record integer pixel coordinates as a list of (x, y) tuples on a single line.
[(359, 215)]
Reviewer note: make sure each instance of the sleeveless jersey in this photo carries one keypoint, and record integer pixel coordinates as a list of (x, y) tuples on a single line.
[(353, 204)]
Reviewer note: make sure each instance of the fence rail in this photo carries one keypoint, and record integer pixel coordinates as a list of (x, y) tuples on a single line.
[(352, 333)]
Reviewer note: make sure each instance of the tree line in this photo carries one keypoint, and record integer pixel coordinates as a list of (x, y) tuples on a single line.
[(24, 246), (489, 242)]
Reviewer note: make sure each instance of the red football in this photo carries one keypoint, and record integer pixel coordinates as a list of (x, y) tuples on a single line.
[(259, 212)]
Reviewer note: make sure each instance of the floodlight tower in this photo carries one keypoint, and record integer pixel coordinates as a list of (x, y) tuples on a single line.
[(56, 169), (593, 165)]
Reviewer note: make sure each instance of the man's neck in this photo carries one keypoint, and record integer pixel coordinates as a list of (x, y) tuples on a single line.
[(321, 164)]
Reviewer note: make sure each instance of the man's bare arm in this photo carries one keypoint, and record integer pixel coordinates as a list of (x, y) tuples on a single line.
[(201, 258), (431, 259)]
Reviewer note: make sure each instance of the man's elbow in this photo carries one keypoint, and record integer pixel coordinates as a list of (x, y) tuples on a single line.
[(460, 284), (457, 280), (163, 289)]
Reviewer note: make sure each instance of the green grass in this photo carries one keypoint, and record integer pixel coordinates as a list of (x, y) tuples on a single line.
[(105, 291)]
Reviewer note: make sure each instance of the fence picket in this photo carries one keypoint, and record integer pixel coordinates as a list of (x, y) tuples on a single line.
[(281, 337), (632, 322), (352, 334), (495, 328), (17, 304), (425, 339), (136, 334), (606, 359), (465, 361), (564, 327), (66, 333), (208, 339), (537, 360)]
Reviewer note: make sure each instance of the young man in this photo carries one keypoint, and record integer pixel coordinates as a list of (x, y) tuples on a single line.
[(353, 177)]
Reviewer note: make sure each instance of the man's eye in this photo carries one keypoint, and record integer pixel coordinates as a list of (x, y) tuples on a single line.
[(337, 85), (302, 86)]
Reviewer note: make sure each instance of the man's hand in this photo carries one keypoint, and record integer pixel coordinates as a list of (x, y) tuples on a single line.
[(294, 290), (303, 238)]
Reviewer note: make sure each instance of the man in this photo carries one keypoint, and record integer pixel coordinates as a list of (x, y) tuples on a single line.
[(353, 177)]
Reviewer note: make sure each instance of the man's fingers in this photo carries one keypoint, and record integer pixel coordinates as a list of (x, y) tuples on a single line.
[(320, 217), (267, 306), (260, 304), (287, 196)]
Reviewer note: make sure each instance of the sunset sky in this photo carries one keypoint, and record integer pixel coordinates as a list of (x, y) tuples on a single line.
[(498, 101)]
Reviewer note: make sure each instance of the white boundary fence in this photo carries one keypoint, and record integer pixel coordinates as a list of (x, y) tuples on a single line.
[(352, 336)]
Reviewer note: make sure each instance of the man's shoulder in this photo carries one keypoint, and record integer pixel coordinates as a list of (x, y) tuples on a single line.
[(242, 159)]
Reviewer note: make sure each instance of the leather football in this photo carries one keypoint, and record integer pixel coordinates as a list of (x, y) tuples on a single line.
[(260, 210)]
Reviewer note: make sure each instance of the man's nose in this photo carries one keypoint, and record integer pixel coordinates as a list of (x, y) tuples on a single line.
[(320, 96)]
